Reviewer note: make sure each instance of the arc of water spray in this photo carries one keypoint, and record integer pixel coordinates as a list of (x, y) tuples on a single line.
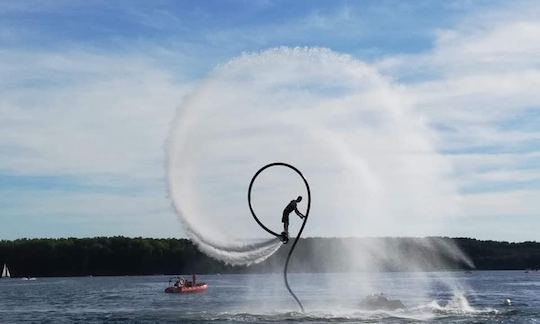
[(279, 235)]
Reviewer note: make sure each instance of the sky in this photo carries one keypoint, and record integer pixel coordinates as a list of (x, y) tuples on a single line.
[(89, 91)]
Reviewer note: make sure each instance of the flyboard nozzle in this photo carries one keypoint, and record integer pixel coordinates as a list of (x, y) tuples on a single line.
[(284, 237)]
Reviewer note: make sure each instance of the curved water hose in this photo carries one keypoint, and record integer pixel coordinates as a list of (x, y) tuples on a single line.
[(279, 235)]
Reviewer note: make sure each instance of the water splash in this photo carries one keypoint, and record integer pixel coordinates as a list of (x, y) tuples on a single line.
[(236, 254), (370, 156)]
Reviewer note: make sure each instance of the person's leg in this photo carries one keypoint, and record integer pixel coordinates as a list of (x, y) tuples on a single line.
[(286, 227)]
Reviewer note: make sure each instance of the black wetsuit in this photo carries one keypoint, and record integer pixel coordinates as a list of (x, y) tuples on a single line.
[(289, 209)]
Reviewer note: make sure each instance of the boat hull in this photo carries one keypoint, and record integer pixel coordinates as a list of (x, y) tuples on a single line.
[(186, 290)]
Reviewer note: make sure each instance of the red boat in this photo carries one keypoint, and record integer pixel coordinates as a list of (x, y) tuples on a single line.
[(182, 286), (187, 289)]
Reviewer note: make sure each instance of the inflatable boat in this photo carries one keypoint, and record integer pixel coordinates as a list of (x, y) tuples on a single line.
[(186, 289)]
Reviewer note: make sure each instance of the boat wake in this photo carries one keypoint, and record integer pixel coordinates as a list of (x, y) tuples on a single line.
[(458, 305), (402, 316), (398, 316), (456, 308)]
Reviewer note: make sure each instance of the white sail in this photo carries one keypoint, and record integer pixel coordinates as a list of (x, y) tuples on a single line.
[(5, 272)]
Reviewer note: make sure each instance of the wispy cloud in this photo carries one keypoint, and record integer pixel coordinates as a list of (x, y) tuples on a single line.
[(92, 100), (76, 120), (78, 112), (482, 96)]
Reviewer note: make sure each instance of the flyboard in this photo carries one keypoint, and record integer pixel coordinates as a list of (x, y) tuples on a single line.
[(283, 236)]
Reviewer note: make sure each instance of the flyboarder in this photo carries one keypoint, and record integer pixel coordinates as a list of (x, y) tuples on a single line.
[(292, 206)]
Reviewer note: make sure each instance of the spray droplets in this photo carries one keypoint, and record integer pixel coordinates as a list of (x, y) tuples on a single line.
[(369, 154)]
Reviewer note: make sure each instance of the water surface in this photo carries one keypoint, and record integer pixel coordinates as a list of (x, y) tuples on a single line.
[(263, 299)]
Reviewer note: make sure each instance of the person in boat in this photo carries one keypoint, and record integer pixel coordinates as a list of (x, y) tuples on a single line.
[(180, 282), (291, 207)]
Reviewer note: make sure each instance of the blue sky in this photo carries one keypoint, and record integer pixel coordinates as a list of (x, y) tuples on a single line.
[(89, 90), (210, 32)]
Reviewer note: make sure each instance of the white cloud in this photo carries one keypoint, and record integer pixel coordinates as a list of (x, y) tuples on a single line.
[(479, 162), (61, 213), (493, 204), (85, 113), (484, 74), (497, 181), (93, 117)]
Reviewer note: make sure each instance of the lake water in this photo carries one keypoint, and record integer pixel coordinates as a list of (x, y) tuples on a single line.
[(263, 299)]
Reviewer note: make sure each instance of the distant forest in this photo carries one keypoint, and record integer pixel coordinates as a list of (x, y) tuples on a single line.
[(146, 256)]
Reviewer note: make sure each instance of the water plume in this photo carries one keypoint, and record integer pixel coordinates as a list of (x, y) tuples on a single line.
[(236, 254), (370, 157)]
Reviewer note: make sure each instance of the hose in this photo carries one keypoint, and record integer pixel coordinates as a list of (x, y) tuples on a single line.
[(279, 235)]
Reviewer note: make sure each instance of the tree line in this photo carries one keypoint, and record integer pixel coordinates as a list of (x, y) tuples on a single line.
[(147, 256)]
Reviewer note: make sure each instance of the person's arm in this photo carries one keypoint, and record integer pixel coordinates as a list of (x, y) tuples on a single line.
[(298, 213)]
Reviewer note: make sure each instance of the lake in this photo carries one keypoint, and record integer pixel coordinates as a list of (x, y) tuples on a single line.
[(262, 298)]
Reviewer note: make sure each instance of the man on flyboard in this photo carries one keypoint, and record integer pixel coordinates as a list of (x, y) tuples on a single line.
[(292, 206)]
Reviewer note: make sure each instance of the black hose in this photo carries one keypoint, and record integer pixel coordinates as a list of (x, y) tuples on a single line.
[(279, 235)]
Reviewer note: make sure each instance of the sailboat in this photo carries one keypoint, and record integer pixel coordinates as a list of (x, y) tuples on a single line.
[(5, 272)]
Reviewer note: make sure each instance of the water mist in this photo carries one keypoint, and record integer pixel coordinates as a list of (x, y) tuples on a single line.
[(369, 157)]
